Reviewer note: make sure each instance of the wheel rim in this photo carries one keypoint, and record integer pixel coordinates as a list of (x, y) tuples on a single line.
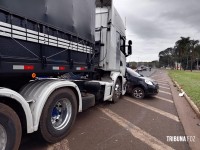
[(138, 93), (3, 138), (61, 114), (117, 90)]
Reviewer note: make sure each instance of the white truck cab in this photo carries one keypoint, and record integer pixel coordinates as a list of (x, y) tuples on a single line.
[(74, 73)]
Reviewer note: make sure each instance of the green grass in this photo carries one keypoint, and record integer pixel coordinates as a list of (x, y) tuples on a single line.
[(189, 82)]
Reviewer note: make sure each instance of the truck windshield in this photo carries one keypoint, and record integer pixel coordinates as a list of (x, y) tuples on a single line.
[(132, 72)]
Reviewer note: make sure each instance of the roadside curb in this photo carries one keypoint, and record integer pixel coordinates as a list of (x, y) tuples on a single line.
[(192, 104)]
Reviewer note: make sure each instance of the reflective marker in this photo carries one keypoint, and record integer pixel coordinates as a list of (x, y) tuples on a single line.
[(23, 67)]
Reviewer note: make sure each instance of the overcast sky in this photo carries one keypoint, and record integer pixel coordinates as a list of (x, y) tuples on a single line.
[(154, 25)]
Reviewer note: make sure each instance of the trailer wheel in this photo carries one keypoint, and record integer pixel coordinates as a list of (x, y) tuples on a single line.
[(10, 128), (117, 91), (58, 115)]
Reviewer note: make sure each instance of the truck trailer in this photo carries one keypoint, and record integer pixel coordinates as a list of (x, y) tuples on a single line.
[(57, 58)]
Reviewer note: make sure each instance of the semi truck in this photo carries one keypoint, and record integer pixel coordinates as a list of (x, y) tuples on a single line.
[(57, 58)]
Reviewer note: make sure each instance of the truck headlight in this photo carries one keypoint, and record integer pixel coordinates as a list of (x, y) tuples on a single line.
[(148, 82)]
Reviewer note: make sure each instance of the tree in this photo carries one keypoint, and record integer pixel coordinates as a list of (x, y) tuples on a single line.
[(184, 51), (194, 51), (182, 48), (166, 57)]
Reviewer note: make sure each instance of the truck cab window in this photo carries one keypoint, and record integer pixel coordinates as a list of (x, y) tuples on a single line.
[(122, 45), (120, 42)]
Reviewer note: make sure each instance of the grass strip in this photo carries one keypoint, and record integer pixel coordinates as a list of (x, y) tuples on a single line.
[(189, 82)]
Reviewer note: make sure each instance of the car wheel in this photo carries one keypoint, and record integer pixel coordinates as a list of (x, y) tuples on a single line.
[(138, 93)]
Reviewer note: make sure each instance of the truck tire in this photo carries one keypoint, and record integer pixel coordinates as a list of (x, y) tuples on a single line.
[(10, 128), (58, 116), (117, 91)]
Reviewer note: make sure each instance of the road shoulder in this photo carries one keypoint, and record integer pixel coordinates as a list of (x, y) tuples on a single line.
[(187, 116)]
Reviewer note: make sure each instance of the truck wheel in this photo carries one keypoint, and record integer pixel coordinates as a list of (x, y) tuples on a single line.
[(138, 93), (10, 129), (58, 115), (117, 91)]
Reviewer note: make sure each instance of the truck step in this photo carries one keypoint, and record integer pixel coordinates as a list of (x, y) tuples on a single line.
[(88, 100)]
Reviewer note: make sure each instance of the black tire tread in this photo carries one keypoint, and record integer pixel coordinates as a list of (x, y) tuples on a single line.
[(47, 136), (114, 99), (14, 119), (140, 89)]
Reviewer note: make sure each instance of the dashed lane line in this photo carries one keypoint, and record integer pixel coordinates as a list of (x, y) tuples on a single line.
[(62, 145), (163, 84), (162, 80), (160, 91), (156, 75), (164, 87), (164, 99), (136, 131), (161, 112)]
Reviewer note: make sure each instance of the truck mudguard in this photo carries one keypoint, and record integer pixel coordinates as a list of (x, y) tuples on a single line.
[(5, 92), (37, 92)]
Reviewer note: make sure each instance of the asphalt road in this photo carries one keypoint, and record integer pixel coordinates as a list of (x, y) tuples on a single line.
[(127, 125)]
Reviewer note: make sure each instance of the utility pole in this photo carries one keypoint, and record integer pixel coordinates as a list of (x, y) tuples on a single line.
[(197, 63)]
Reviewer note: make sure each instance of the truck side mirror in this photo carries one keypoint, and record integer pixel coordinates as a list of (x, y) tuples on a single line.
[(130, 42), (129, 50), (129, 47)]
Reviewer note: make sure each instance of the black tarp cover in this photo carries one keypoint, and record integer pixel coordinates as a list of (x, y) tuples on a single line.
[(72, 16)]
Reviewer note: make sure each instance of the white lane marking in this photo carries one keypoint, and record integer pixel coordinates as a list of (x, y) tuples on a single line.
[(163, 84), (156, 75), (166, 114), (136, 131), (64, 144), (160, 91), (161, 80), (164, 87), (164, 99), (160, 76)]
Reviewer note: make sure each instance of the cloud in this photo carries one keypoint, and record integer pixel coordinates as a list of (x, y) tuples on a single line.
[(146, 29), (184, 11), (190, 17), (155, 25)]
